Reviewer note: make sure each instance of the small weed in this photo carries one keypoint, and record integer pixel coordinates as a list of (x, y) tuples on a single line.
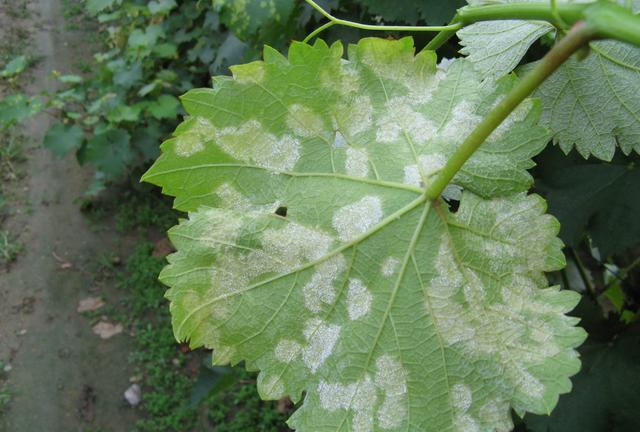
[(158, 357), (5, 392), (9, 250), (241, 409), (143, 208), (11, 152), (169, 373)]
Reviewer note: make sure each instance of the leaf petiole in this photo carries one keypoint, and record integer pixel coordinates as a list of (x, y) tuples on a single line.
[(333, 21), (579, 36)]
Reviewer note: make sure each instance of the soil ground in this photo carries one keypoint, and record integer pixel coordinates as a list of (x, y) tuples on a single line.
[(62, 377)]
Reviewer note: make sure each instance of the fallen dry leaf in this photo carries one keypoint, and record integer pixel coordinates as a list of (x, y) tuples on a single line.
[(63, 263), (107, 330), (133, 395), (90, 304), (162, 247)]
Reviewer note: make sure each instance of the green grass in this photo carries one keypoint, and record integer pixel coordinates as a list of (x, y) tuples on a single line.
[(5, 392), (157, 358), (169, 372), (9, 249), (143, 207)]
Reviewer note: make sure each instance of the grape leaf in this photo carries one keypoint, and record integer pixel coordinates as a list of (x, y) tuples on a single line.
[(109, 152), (61, 138), (312, 254), (588, 103), (585, 103), (496, 47), (94, 7), (15, 67), (594, 197)]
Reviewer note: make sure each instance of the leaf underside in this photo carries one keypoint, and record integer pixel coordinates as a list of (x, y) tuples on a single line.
[(587, 104), (312, 254)]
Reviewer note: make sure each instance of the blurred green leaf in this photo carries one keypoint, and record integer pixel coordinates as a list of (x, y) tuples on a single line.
[(70, 79), (61, 138), (109, 152), (161, 6), (592, 197), (605, 396), (94, 7), (166, 107), (15, 67), (18, 107)]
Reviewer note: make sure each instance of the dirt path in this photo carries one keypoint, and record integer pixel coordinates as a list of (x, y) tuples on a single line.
[(63, 377)]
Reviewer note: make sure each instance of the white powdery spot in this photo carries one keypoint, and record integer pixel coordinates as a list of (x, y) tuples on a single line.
[(287, 350), (295, 244), (250, 73), (357, 162), (270, 387), (219, 230), (391, 378), (320, 287), (250, 142), (349, 79), (412, 176), (466, 423), (461, 397), (445, 63), (335, 396), (304, 121), (339, 141), (321, 337), (450, 316), (356, 219), (231, 198), (429, 165), (518, 115), (496, 413), (462, 122), (358, 299), (401, 121), (192, 140), (359, 397), (283, 251), (449, 279), (355, 116), (529, 385), (389, 266)]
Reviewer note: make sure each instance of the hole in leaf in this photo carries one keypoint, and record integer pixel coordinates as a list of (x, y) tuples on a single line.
[(453, 205), (281, 211)]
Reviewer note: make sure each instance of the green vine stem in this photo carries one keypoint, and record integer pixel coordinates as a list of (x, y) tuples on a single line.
[(578, 37), (333, 21), (610, 20)]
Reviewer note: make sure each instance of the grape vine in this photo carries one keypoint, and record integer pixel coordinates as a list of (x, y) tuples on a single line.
[(359, 228)]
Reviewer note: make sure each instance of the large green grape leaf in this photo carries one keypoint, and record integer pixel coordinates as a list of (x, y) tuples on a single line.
[(585, 103), (312, 254), (496, 47), (588, 104)]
